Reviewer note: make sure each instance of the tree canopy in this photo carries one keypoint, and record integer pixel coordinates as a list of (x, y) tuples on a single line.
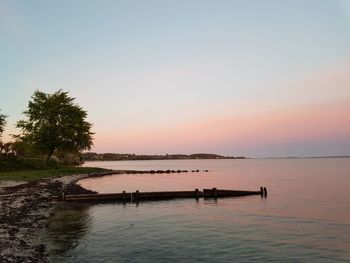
[(2, 123), (55, 123)]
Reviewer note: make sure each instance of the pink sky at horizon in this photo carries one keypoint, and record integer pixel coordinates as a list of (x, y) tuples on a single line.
[(314, 122), (316, 110)]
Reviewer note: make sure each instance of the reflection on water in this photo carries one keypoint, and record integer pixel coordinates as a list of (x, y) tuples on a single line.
[(191, 231), (68, 224), (304, 219)]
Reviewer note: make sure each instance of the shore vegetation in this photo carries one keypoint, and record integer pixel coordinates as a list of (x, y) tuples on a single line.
[(55, 123), (2, 123), (51, 139)]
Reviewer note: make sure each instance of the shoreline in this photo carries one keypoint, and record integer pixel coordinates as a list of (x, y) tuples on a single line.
[(25, 208)]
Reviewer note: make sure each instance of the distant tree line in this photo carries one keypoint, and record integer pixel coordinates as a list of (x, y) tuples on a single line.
[(91, 156)]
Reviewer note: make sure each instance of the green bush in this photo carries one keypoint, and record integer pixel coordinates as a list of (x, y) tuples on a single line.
[(17, 164)]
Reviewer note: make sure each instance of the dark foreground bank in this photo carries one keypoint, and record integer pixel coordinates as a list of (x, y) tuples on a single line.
[(24, 210)]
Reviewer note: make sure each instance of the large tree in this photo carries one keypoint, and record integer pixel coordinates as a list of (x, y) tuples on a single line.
[(2, 123), (55, 123)]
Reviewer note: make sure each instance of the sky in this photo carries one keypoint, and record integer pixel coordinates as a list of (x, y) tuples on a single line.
[(253, 78)]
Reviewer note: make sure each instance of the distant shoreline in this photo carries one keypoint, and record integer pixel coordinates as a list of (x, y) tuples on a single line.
[(217, 158), (90, 156)]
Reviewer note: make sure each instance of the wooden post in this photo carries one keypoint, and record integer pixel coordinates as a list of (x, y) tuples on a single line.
[(197, 194), (265, 192), (63, 196), (137, 196), (215, 193), (124, 196)]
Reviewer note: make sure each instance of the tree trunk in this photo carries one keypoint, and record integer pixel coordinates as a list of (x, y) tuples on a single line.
[(49, 155)]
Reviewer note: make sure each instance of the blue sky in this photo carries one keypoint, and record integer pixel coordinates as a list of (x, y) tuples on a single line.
[(144, 69)]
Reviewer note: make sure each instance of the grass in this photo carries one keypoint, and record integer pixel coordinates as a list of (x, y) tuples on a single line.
[(32, 170), (33, 175)]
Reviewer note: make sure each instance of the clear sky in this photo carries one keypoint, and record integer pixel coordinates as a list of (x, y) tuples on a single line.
[(255, 78)]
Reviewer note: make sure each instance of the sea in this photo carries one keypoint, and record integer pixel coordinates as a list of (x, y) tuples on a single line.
[(304, 218)]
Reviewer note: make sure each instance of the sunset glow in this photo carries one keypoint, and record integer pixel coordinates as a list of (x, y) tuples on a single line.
[(187, 77)]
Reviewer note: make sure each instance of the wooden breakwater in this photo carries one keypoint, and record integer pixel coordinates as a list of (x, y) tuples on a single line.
[(144, 196), (215, 193)]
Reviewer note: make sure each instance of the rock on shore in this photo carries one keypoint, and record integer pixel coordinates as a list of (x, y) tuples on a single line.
[(24, 210)]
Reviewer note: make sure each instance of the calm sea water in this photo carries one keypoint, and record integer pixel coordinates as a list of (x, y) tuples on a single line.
[(305, 218)]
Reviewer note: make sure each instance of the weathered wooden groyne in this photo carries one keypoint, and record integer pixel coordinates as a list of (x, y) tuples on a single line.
[(144, 196), (215, 193)]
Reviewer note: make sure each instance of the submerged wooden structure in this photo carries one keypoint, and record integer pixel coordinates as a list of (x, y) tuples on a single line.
[(144, 196)]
